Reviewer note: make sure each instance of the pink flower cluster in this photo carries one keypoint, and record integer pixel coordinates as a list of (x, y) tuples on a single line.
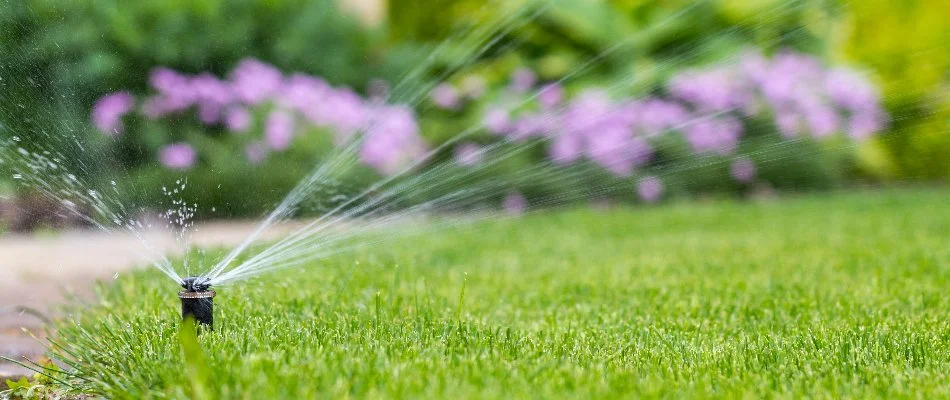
[(708, 108), (389, 133), (108, 112), (802, 96)]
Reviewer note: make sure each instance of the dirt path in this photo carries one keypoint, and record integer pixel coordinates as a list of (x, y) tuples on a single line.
[(39, 273)]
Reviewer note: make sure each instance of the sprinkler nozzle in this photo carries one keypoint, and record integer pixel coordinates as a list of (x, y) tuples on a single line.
[(197, 301)]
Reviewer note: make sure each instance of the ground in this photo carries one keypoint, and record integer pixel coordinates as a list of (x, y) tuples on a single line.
[(818, 296)]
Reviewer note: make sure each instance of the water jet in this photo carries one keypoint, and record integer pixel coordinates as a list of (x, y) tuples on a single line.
[(197, 301)]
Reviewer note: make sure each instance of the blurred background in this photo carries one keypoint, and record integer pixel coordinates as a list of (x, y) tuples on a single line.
[(243, 98)]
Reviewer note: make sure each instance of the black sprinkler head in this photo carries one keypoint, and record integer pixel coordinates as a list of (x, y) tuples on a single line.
[(196, 284), (197, 301)]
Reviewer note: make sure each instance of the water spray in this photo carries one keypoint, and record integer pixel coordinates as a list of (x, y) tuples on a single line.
[(197, 301)]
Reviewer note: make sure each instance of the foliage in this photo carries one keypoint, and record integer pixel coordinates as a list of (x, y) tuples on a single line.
[(643, 41), (706, 130), (41, 386), (239, 131), (116, 55), (697, 300), (632, 50), (61, 56), (907, 46)]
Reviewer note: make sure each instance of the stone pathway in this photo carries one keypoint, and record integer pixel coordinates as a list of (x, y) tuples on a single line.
[(42, 272)]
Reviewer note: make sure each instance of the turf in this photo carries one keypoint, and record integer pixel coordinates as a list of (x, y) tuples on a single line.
[(826, 296)]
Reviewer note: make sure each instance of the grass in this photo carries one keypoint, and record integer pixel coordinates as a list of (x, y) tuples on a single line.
[(842, 296)]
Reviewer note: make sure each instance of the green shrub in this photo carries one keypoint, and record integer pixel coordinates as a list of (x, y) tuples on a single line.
[(907, 45), (60, 56)]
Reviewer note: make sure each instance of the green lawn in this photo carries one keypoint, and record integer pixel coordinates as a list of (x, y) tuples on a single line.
[(829, 296)]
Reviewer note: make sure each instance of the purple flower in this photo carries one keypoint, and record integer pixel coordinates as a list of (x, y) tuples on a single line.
[(797, 65), (616, 150), (551, 95), (209, 89), (209, 114), (743, 170), (789, 76), (822, 120), (306, 95), (473, 86), (346, 113), (279, 130), (175, 93), (108, 111), (754, 66), (804, 98), (780, 90), (468, 154), (864, 124), (391, 140), (255, 152), (497, 121), (212, 95), (170, 83), (713, 90), (531, 125), (850, 90), (657, 116), (158, 106), (254, 81), (238, 119), (587, 114), (515, 204), (566, 148), (522, 80), (178, 156), (714, 135), (789, 123), (650, 189), (591, 125), (341, 110), (446, 97)]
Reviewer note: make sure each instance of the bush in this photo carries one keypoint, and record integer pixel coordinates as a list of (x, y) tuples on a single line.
[(777, 122), (636, 48), (785, 122), (907, 46), (61, 56), (649, 39), (258, 128), (156, 81)]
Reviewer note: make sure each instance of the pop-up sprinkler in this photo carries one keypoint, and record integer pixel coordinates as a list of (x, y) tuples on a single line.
[(197, 301)]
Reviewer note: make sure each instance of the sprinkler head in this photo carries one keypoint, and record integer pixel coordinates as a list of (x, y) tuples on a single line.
[(197, 301), (196, 284)]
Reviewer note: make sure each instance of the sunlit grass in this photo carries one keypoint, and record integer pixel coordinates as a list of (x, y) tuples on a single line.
[(828, 296)]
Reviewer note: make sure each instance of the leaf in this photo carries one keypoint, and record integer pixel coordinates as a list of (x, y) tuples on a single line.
[(20, 384)]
